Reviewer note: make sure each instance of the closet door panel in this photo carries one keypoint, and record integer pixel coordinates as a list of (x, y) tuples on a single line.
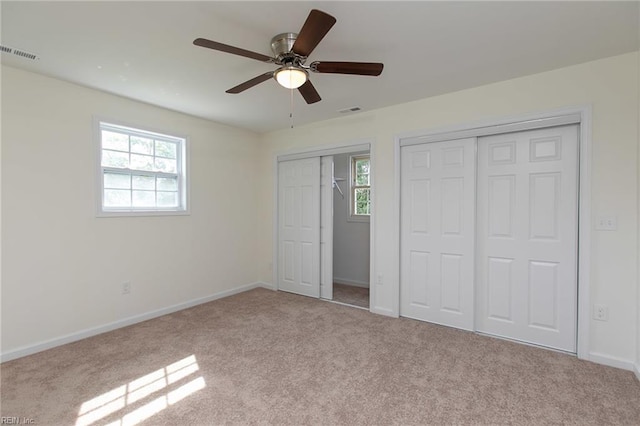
[(299, 226), (437, 232), (326, 227), (527, 236)]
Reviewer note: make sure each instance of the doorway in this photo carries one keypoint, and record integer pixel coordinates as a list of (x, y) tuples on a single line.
[(351, 233), (313, 198)]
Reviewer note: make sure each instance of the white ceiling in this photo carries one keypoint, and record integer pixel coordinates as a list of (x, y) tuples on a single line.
[(143, 50)]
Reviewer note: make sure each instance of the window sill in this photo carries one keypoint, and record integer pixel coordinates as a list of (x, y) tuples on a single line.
[(149, 213), (361, 219)]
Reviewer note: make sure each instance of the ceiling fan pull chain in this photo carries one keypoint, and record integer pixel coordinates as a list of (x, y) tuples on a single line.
[(291, 107)]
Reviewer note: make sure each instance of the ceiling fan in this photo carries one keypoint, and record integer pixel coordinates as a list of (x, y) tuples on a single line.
[(290, 51)]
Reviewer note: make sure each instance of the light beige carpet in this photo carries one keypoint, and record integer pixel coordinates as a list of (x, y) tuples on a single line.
[(351, 295), (263, 357)]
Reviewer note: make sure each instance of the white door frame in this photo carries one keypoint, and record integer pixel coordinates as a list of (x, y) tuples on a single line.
[(320, 151), (573, 115)]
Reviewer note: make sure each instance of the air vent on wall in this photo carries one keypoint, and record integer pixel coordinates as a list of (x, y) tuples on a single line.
[(18, 52), (352, 109)]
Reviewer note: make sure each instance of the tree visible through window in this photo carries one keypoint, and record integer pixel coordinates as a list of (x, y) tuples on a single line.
[(360, 186), (141, 171)]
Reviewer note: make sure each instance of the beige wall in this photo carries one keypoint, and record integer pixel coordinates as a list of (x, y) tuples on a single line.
[(638, 172), (62, 268), (609, 86)]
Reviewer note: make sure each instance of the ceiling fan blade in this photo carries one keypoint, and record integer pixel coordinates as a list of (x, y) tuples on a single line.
[(314, 29), (309, 93), (250, 83), (358, 68), (203, 42)]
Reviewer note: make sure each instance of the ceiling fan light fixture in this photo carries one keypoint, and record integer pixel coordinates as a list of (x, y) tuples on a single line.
[(291, 77)]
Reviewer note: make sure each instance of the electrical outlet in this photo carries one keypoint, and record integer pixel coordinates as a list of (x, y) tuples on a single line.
[(126, 288), (600, 313), (379, 280), (607, 223)]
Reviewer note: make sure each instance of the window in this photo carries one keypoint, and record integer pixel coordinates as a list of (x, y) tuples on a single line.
[(360, 197), (141, 171)]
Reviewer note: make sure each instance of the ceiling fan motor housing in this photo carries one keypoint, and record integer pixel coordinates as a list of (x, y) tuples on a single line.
[(281, 46)]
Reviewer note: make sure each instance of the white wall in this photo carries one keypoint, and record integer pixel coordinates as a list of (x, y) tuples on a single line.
[(63, 267), (609, 86), (350, 239)]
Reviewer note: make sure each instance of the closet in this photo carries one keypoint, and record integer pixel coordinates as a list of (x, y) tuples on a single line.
[(306, 190), (489, 234)]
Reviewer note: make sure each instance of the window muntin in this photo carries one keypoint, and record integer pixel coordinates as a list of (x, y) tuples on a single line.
[(360, 194), (141, 171)]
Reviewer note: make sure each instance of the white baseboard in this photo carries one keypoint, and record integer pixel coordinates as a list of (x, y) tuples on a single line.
[(612, 361), (262, 284), (637, 371), (83, 334), (354, 283)]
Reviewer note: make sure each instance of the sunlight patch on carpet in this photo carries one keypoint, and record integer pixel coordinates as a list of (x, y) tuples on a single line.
[(125, 401)]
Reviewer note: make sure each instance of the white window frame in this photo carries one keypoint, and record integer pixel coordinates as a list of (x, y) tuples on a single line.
[(352, 216), (182, 172)]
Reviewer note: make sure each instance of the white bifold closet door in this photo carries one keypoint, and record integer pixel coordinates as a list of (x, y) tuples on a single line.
[(299, 226), (527, 236), (437, 232)]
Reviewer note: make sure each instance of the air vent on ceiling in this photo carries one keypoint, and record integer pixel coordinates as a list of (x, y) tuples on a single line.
[(351, 109), (18, 52)]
